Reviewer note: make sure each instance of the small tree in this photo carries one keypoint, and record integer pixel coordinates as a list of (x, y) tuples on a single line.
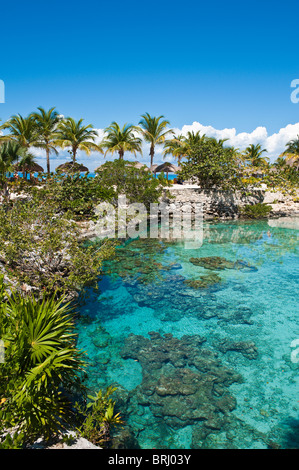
[(136, 183), (212, 165)]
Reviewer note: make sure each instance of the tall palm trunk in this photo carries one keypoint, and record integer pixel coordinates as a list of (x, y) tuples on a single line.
[(152, 153), (121, 154), (48, 160), (74, 155)]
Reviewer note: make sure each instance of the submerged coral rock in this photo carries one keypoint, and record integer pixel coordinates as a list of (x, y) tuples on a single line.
[(247, 348), (212, 262), (183, 382), (131, 263), (124, 439), (218, 263), (204, 281)]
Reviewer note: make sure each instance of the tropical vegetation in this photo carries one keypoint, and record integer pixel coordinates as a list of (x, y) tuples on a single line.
[(154, 131), (46, 127), (41, 373), (211, 164), (120, 140), (74, 134), (45, 262)]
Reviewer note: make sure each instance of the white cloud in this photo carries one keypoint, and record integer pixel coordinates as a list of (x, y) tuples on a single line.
[(274, 143)]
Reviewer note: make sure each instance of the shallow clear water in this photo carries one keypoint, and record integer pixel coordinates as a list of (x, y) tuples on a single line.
[(225, 378)]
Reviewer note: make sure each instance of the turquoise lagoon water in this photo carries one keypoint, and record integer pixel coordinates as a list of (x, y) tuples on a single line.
[(205, 364)]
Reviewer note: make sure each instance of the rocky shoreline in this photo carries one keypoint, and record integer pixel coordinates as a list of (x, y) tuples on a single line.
[(215, 204), (227, 204)]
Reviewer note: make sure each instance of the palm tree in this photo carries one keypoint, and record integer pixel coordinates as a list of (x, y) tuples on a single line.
[(10, 153), (219, 142), (74, 134), (253, 153), (180, 146), (46, 122), (21, 130), (7, 157), (174, 147), (291, 153), (153, 130), (193, 138), (121, 140), (237, 156)]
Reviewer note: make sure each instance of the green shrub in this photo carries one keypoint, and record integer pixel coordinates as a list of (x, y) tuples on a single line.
[(256, 211), (136, 183), (42, 365), (98, 417), (42, 249), (74, 195)]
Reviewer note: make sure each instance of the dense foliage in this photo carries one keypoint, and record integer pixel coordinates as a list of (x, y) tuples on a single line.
[(256, 211), (97, 417), (42, 371), (73, 195), (41, 248), (136, 183), (41, 364), (211, 164)]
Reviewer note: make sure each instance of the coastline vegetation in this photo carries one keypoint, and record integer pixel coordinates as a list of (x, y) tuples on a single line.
[(44, 263)]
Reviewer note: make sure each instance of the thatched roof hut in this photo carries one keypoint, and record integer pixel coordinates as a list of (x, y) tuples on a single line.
[(153, 168), (256, 172), (166, 168), (139, 165), (32, 168), (70, 167), (292, 161)]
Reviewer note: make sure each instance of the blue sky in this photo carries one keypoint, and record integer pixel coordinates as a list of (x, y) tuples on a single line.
[(227, 65)]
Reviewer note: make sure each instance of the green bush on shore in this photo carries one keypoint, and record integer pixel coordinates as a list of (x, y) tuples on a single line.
[(256, 211), (42, 371)]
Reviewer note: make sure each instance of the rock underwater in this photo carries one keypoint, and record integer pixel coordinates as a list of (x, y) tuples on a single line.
[(183, 382)]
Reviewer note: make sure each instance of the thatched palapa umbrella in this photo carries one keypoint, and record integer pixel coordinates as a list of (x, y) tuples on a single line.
[(153, 168), (167, 168), (292, 161), (70, 167), (139, 166), (29, 168)]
